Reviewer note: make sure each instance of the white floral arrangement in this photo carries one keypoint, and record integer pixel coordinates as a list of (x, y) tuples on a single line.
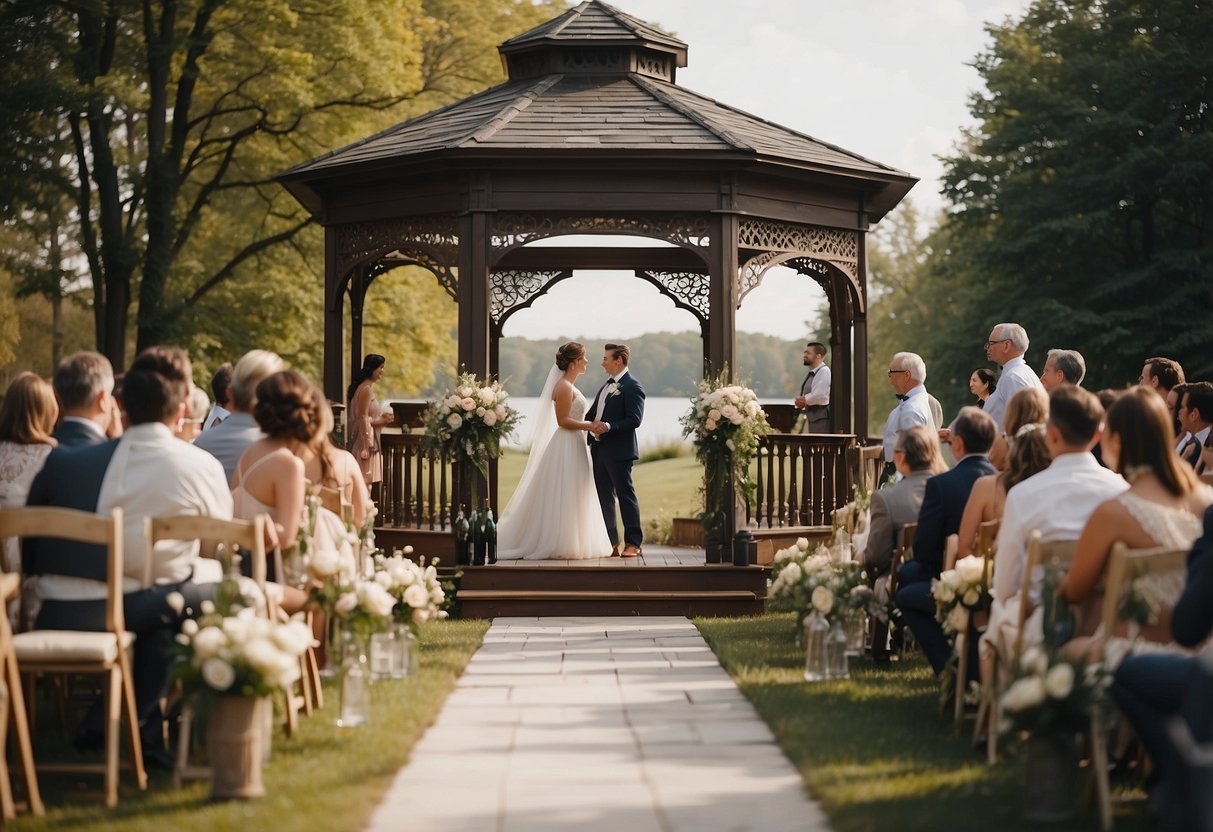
[(241, 654), (811, 580), (414, 586), (1051, 696), (471, 421), (726, 423), (961, 591)]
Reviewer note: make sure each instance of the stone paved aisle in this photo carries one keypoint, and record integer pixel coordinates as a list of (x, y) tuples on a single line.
[(587, 724)]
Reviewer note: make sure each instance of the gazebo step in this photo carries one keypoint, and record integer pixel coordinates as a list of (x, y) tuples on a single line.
[(492, 603), (599, 578)]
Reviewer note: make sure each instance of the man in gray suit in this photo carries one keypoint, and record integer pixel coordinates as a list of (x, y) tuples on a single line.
[(230, 438)]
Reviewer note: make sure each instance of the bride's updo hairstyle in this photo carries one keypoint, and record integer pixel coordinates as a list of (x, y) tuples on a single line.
[(568, 353), (287, 407)]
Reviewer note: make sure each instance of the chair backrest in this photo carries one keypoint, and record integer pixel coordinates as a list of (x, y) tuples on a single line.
[(80, 527), (1059, 552), (1124, 565), (951, 545), (245, 534), (987, 536), (334, 501), (907, 540)]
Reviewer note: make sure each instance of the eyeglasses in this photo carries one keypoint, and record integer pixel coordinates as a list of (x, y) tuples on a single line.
[(999, 341), (894, 372)]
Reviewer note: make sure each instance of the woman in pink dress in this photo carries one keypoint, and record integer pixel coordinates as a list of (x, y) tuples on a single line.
[(365, 420)]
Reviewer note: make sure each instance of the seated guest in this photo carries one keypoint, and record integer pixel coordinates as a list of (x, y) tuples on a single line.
[(1024, 454), (1056, 502), (1149, 688), (333, 467), (1195, 415), (27, 417), (221, 389), (84, 385), (147, 473), (1162, 507), (196, 408), (1062, 367), (943, 503), (231, 437)]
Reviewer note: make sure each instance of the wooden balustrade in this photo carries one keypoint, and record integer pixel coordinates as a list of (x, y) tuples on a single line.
[(417, 489)]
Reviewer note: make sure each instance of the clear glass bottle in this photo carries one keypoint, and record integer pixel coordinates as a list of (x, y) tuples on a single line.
[(355, 683), (407, 656), (856, 624), (383, 655), (490, 534), (816, 665), (836, 651)]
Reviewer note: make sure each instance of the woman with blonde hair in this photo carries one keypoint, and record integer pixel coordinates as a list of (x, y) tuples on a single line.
[(324, 464), (27, 418), (1162, 507)]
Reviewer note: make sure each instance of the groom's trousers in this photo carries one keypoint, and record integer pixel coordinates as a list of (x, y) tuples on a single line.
[(613, 478)]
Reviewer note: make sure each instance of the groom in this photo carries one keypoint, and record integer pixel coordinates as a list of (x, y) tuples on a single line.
[(617, 411)]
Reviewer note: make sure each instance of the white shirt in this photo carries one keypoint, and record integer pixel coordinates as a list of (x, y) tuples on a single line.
[(1183, 440), (218, 414), (915, 410), (1057, 502), (603, 395), (819, 387), (1016, 375)]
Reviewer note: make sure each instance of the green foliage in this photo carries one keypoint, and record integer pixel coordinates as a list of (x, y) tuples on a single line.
[(670, 450)]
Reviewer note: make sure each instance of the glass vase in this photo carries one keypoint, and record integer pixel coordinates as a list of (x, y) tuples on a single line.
[(856, 625), (383, 655), (334, 647), (836, 651), (816, 665), (408, 657), (355, 682)]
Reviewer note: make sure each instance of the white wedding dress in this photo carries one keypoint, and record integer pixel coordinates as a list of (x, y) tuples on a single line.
[(555, 514)]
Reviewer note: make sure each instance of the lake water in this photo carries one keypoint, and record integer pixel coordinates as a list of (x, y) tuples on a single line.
[(660, 425)]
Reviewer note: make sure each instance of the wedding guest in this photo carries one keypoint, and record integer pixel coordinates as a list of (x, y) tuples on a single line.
[(1160, 375), (332, 467), (1028, 454), (943, 503), (1195, 417), (1062, 367), (814, 398), (88, 410), (907, 375), (221, 383), (1007, 345), (27, 418), (197, 406), (366, 420), (1032, 406), (982, 382), (231, 437), (1162, 506)]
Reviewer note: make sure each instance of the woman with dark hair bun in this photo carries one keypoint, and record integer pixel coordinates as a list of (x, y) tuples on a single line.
[(555, 512), (982, 383), (269, 477), (365, 420)]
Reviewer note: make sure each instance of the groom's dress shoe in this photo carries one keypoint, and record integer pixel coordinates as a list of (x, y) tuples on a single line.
[(630, 552)]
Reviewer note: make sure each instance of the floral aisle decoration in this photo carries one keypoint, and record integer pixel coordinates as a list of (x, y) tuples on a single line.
[(961, 591), (851, 524), (726, 423), (414, 585)]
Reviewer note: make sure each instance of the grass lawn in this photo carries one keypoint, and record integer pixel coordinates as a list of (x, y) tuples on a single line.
[(874, 749), (324, 778)]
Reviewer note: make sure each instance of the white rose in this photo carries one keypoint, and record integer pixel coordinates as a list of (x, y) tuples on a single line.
[(384, 579), (437, 596), (175, 601), (1035, 661), (1025, 693), (453, 401), (791, 573), (951, 579), (421, 615), (345, 604), (490, 417), (454, 420), (1059, 681), (728, 411), (208, 607), (971, 598), (294, 637), (416, 596), (823, 600), (464, 392), (218, 674), (208, 642), (236, 629), (468, 404), (487, 396), (375, 599), (971, 569), (802, 543), (958, 619), (480, 411), (189, 626)]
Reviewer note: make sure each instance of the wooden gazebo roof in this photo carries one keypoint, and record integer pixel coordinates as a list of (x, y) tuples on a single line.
[(597, 81)]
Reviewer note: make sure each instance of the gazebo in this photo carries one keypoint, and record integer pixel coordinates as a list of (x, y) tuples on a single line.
[(591, 135)]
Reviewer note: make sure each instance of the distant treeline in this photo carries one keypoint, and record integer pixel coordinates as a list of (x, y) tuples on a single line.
[(668, 363)]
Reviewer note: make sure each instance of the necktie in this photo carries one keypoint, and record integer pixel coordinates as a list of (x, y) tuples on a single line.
[(1183, 452), (901, 398)]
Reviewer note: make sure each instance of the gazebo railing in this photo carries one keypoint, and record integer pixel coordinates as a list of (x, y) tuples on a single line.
[(802, 478), (416, 491)]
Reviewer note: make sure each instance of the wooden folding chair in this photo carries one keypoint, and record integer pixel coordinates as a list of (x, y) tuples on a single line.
[(1124, 566), (102, 653), (987, 537), (901, 554), (1059, 552), (12, 713)]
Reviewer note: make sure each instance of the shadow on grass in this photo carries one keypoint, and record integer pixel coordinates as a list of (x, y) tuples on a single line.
[(874, 749)]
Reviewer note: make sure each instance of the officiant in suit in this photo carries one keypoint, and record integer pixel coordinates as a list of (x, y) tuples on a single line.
[(617, 411), (814, 398)]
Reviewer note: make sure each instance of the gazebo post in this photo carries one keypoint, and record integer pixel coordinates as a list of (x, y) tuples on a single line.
[(333, 313), (844, 353), (860, 318), (358, 287), (474, 319), (722, 344)]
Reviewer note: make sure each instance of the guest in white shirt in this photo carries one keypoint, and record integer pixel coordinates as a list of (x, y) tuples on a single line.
[(84, 385), (907, 373), (1006, 345), (1056, 502), (233, 436), (814, 398)]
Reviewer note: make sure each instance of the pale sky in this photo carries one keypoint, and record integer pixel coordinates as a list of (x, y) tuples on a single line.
[(887, 79)]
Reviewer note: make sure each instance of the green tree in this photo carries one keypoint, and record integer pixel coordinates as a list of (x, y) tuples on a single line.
[(1084, 197)]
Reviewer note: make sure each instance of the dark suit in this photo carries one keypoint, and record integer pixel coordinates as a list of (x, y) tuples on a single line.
[(613, 454), (1154, 687), (73, 434), (943, 505)]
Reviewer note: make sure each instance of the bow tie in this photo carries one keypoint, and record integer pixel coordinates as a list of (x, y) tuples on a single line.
[(610, 381), (901, 398)]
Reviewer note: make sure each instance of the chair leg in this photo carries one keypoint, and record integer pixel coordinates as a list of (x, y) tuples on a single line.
[(132, 722), (992, 720), (113, 724), (8, 810), (962, 672), (312, 678), (305, 687), (1099, 764)]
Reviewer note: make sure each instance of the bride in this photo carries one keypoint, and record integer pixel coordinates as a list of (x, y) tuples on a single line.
[(555, 513)]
